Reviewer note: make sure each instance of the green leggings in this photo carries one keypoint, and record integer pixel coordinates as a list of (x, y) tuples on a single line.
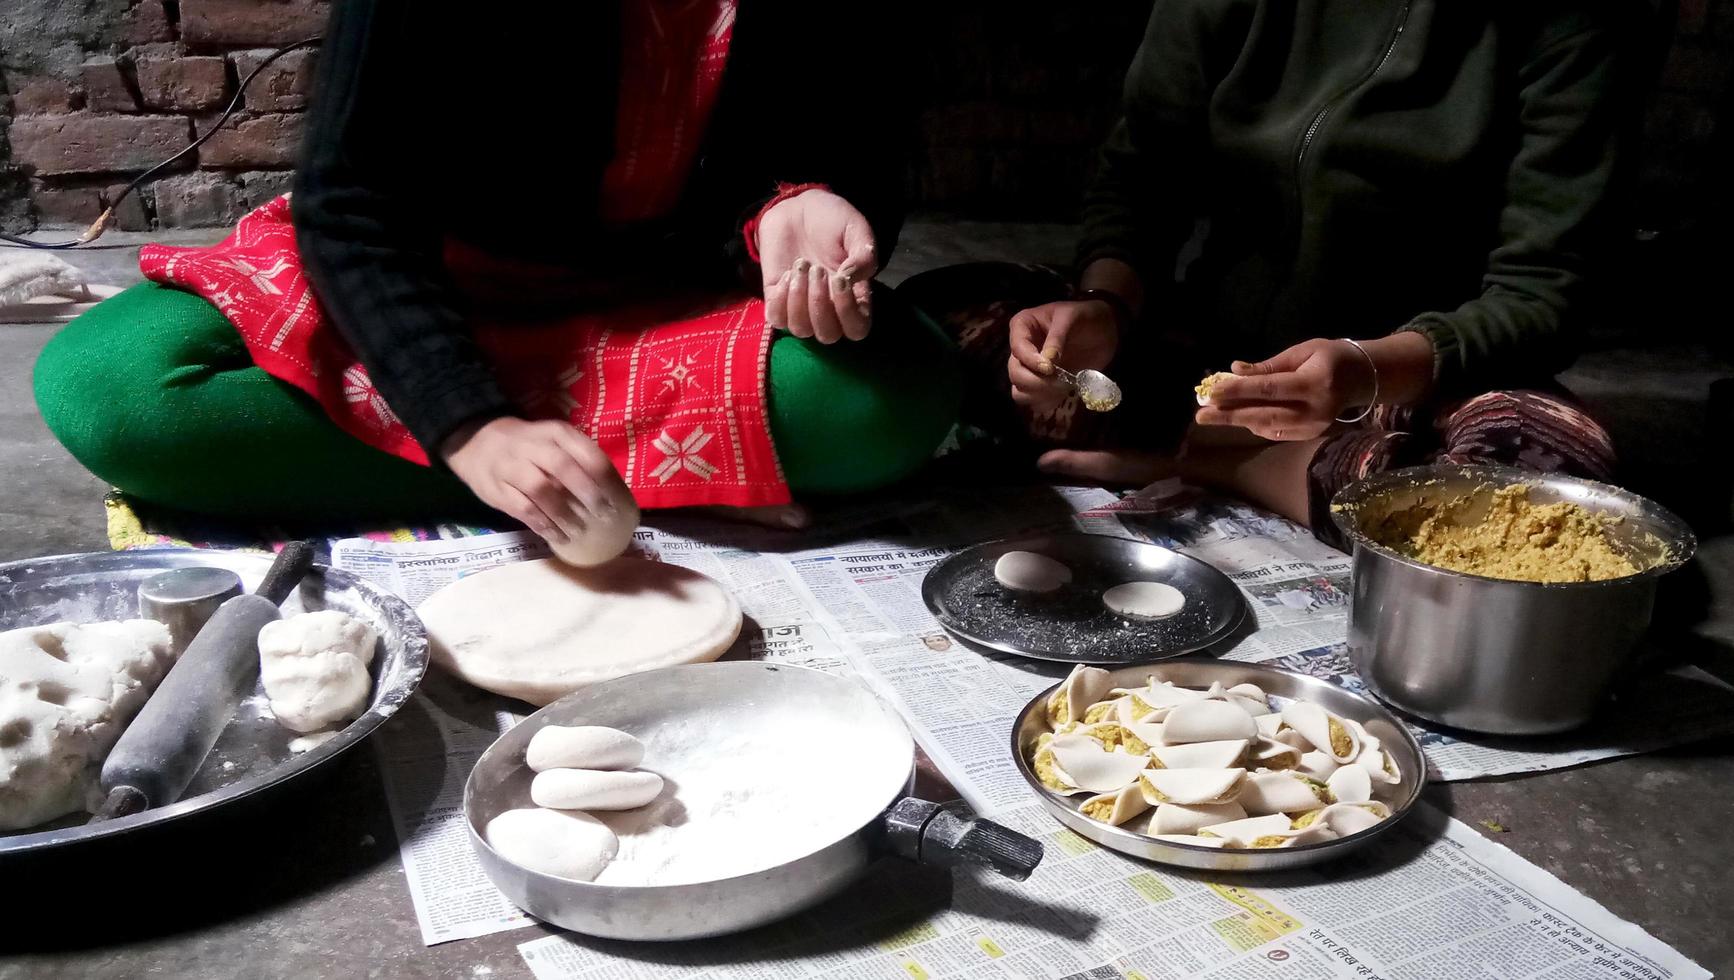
[(154, 391)]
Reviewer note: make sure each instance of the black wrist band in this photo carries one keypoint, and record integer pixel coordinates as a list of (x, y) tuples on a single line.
[(1123, 315)]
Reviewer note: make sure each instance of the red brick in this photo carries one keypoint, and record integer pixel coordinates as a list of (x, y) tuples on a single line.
[(145, 23), (87, 143), (105, 89), (65, 205), (260, 186), (283, 85), (36, 96), (269, 140), (198, 200), (186, 84), (250, 22)]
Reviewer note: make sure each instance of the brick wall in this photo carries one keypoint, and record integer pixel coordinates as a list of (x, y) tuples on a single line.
[(78, 132), (1013, 107)]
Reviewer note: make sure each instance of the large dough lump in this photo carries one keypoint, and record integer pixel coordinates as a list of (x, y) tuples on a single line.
[(314, 667), (538, 630), (553, 842), (66, 694)]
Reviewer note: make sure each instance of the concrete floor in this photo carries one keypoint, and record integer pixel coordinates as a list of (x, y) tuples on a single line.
[(307, 882)]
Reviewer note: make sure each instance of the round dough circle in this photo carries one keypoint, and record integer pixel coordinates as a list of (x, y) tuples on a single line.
[(1144, 600), (582, 747), (1027, 571), (553, 842), (539, 630), (593, 789)]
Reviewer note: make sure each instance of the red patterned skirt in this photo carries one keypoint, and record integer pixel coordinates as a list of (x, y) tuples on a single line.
[(677, 399)]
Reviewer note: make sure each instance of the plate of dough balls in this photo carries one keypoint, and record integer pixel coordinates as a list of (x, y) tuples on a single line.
[(1218, 765), (1082, 598)]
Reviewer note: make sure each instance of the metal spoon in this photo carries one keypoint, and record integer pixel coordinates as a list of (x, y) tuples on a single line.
[(1096, 390)]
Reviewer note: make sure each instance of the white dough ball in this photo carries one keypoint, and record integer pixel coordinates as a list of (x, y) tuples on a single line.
[(582, 747), (605, 538), (314, 668), (593, 789), (1026, 571), (553, 842), (1144, 600)]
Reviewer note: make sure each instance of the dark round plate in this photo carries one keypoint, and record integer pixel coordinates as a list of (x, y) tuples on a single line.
[(1072, 625)]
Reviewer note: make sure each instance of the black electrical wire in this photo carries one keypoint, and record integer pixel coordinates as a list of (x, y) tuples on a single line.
[(103, 220)]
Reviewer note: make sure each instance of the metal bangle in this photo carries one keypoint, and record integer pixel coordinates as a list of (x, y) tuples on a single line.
[(1371, 402)]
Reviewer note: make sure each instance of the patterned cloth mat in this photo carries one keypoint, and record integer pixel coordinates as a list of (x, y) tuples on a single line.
[(135, 524)]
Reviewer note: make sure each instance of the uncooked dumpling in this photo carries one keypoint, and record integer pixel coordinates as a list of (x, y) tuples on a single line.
[(553, 842), (582, 747), (539, 630), (594, 789), (1144, 600), (1026, 571)]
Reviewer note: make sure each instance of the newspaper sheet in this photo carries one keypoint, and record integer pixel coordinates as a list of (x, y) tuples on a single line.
[(849, 601), (1431, 900)]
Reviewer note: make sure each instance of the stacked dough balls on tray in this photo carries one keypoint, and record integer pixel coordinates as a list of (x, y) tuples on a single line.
[(577, 769), (1213, 768)]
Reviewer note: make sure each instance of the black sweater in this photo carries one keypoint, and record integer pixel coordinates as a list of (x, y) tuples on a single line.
[(1447, 166), (433, 121)]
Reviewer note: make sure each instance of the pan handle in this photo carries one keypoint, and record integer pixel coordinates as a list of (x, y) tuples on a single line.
[(926, 833)]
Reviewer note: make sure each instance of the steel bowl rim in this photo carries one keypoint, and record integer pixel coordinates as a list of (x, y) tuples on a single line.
[(415, 659), (479, 839), (1683, 548), (930, 599), (1051, 800)]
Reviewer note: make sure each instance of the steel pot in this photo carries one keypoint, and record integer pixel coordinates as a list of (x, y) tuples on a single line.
[(657, 706), (1490, 655)]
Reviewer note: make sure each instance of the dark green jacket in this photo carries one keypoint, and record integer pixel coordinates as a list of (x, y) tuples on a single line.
[(1366, 166)]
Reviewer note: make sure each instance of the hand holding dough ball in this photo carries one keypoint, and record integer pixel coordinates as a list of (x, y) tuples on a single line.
[(314, 668), (1205, 387), (604, 536), (594, 789), (1027, 571), (1144, 600), (582, 747), (554, 842)]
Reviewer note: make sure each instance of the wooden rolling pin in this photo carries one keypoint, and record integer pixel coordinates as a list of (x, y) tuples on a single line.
[(159, 753)]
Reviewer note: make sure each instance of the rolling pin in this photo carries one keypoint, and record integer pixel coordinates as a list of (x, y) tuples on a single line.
[(159, 753)]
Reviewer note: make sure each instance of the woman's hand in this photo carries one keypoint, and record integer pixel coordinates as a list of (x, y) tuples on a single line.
[(1300, 393), (546, 474), (816, 252), (1075, 335)]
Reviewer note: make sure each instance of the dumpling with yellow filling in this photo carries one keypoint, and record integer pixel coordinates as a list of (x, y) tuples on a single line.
[(1092, 768), (1191, 786), (1327, 732), (1282, 792), (1117, 807), (1225, 754), (1351, 784), (1242, 833), (1083, 687), (1178, 818), (1207, 721)]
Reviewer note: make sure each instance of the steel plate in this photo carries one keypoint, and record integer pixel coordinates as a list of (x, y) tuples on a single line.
[(1072, 625), (1281, 685), (253, 752)]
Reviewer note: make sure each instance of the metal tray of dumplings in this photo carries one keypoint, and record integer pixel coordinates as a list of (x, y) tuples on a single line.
[(253, 753), (1071, 625), (1281, 686)]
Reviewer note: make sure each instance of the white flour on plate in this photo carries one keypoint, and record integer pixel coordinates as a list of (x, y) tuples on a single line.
[(735, 804)]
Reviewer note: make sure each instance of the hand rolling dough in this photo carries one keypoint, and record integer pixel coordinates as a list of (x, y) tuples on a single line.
[(539, 630), (593, 789), (605, 538), (1144, 600), (582, 747), (553, 842)]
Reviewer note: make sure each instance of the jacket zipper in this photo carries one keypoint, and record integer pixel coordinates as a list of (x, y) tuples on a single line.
[(1318, 120)]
